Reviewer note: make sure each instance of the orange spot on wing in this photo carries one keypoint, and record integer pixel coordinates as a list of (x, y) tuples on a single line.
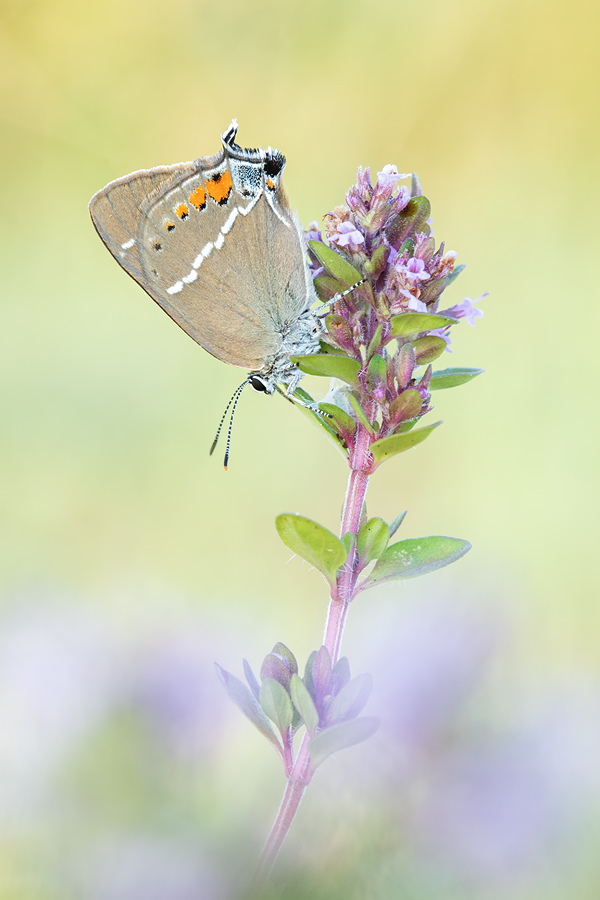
[(182, 211), (198, 197), (219, 188), (270, 184), (169, 225)]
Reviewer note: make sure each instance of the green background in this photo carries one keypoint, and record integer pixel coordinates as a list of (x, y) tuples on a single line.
[(115, 522)]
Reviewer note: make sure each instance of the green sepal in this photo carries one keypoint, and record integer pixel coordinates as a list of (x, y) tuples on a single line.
[(372, 540), (245, 701), (430, 290), (457, 270), (340, 736), (275, 702), (375, 266), (313, 543), (375, 342), (414, 323), (387, 447), (327, 287), (360, 414), (447, 378), (395, 525), (410, 220), (429, 348), (376, 371), (304, 703), (329, 366), (414, 557), (350, 700), (335, 263), (340, 417)]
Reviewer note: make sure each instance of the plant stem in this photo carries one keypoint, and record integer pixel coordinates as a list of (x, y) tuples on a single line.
[(341, 596)]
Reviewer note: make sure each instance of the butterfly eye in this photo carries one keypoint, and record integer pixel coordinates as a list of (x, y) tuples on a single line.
[(258, 384)]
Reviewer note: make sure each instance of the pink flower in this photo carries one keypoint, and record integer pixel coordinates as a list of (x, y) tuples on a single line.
[(347, 235), (415, 270), (467, 310)]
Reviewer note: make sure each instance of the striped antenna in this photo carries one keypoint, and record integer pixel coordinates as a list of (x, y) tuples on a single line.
[(234, 396)]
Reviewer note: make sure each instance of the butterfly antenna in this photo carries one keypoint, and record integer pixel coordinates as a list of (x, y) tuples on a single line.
[(218, 434), (337, 297), (237, 396)]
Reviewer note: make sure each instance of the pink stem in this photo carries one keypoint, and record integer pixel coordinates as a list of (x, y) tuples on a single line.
[(341, 596)]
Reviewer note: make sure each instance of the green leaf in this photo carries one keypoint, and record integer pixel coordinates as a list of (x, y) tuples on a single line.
[(429, 348), (377, 371), (335, 263), (414, 557), (276, 703), (375, 342), (304, 703), (348, 541), (340, 736), (329, 366), (312, 542), (360, 414), (395, 525), (349, 702), (372, 540), (414, 323), (245, 701), (327, 287), (387, 447), (281, 650), (432, 289), (321, 422), (447, 378), (341, 418)]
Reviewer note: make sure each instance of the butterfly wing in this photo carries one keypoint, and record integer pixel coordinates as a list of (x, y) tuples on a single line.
[(216, 245)]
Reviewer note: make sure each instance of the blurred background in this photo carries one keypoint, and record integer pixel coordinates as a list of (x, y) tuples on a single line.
[(130, 561)]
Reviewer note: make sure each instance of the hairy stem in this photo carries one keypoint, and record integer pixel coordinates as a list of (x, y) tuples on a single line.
[(300, 774)]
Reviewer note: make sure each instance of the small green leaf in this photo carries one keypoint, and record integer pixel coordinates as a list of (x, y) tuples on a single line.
[(360, 414), (414, 323), (340, 736), (350, 700), (429, 348), (447, 378), (414, 557), (274, 667), (398, 443), (327, 287), (409, 221), (320, 675), (304, 703), (432, 289), (340, 674), (346, 422), (276, 703), (251, 679), (245, 701), (312, 542), (335, 263), (395, 525), (348, 541), (372, 540), (377, 371), (406, 405), (329, 366), (281, 650)]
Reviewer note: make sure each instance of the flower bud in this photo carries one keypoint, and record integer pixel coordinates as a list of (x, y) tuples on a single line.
[(405, 365)]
